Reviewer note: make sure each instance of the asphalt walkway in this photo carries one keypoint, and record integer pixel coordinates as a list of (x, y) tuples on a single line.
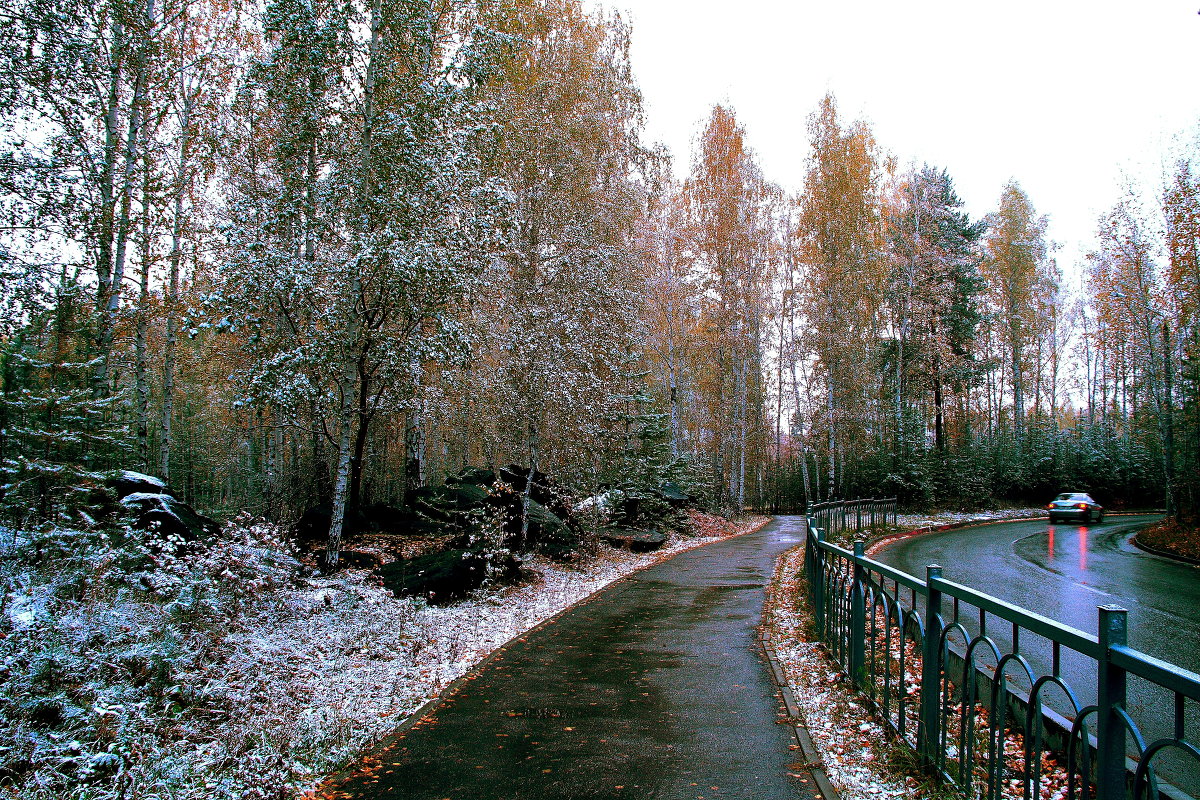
[(657, 687)]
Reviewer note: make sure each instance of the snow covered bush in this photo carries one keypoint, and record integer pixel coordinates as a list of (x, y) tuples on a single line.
[(115, 656)]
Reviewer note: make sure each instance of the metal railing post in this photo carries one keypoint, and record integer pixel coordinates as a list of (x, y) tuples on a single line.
[(1110, 696), (818, 587), (931, 672), (858, 619)]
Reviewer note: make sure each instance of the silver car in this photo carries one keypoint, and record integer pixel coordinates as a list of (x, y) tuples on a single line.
[(1075, 506)]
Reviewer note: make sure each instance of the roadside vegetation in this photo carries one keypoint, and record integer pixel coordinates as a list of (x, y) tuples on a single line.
[(1173, 537)]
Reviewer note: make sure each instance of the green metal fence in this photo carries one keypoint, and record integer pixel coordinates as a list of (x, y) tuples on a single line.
[(977, 686), (836, 516)]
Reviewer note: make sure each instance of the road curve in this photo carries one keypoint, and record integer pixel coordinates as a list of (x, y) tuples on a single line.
[(1065, 571), (654, 688)]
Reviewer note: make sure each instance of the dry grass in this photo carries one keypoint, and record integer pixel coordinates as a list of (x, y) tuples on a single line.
[(1172, 537)]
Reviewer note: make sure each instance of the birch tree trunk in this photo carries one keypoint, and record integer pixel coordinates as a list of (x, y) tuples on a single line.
[(141, 357), (800, 436), (181, 188), (527, 495), (341, 486), (109, 302), (414, 451), (1018, 384), (352, 353), (831, 486)]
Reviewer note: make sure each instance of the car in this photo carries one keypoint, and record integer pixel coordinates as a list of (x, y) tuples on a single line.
[(1075, 506)]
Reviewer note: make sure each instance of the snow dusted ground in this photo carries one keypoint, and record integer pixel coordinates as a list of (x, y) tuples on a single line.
[(859, 761), (851, 743), (232, 673), (935, 519)]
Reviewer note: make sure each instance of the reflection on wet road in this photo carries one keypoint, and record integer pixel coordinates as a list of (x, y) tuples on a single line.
[(1091, 565)]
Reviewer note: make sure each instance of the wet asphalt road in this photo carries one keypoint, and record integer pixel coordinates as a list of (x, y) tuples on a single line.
[(1064, 571), (655, 688)]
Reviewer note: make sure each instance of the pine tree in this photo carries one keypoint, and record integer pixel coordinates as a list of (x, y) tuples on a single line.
[(934, 292), (56, 433)]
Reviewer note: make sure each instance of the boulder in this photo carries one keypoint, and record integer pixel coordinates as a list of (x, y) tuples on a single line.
[(126, 482), (447, 575), (313, 526), (446, 503), (475, 476), (633, 540), (674, 494), (546, 532), (165, 517), (155, 508), (544, 489)]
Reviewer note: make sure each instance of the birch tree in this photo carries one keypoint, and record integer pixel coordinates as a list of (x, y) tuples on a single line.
[(734, 239), (391, 221), (1181, 206), (1016, 268), (555, 312), (841, 234), (1133, 314)]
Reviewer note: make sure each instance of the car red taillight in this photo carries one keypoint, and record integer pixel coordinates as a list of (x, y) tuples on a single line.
[(1081, 505)]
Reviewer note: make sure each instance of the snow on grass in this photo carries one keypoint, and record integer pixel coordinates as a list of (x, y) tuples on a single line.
[(938, 518), (850, 741), (135, 672)]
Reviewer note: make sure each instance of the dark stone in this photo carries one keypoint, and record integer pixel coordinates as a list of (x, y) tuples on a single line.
[(546, 532), (634, 540), (165, 517), (125, 482), (544, 490), (448, 502), (314, 523), (674, 494), (475, 476), (447, 575), (398, 521)]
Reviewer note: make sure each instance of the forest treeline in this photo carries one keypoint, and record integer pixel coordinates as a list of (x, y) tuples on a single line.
[(329, 251)]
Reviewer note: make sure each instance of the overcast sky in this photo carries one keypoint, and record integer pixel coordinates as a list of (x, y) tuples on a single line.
[(1065, 97)]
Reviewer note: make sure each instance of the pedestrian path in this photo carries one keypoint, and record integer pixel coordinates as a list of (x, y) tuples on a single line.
[(655, 688)]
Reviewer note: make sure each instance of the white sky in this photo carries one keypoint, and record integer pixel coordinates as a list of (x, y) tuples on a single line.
[(1067, 97)]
